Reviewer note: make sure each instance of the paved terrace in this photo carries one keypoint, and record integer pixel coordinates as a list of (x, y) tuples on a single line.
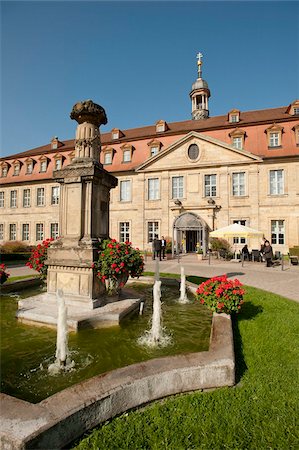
[(273, 279)]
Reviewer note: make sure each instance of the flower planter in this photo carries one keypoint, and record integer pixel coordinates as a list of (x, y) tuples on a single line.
[(200, 256), (114, 286)]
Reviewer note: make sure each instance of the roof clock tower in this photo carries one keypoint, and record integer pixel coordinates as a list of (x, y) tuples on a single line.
[(200, 94)]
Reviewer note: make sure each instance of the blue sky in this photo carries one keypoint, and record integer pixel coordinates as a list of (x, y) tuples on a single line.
[(138, 61)]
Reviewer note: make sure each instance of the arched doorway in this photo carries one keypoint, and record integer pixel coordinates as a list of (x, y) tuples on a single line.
[(188, 230)]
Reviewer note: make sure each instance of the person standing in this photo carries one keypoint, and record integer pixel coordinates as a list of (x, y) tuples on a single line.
[(163, 247), (245, 252), (268, 254), (156, 247)]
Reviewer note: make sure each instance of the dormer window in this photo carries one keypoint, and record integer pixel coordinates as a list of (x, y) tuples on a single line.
[(4, 170), (43, 164), (161, 126), (57, 162), (274, 135), (293, 109), (116, 133), (237, 138), (154, 147), (234, 116), (127, 153), (16, 168), (29, 166), (54, 143), (108, 157), (296, 131)]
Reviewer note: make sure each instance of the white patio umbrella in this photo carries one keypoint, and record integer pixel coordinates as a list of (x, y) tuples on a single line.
[(236, 230)]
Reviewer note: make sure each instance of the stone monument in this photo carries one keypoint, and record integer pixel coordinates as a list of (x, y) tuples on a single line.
[(84, 213)]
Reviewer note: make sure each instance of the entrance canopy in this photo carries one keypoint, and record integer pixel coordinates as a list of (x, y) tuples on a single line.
[(236, 230)]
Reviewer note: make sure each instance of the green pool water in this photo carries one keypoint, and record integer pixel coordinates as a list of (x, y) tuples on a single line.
[(27, 351)]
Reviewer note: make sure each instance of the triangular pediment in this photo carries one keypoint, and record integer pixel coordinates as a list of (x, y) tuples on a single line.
[(211, 152)]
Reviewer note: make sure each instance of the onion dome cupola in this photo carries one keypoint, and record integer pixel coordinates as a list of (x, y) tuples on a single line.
[(200, 94)]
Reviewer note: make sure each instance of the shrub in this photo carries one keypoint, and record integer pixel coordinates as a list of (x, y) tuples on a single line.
[(3, 275), (38, 256), (218, 244), (221, 295), (14, 247)]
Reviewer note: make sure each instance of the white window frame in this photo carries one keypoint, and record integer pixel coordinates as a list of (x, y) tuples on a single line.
[(276, 182), (124, 231), (26, 198), (40, 196), (29, 168), (2, 199), (55, 195), (39, 231), (278, 232), (4, 171), (12, 231), (25, 232), (125, 191), (108, 158), (152, 230), (240, 240), (154, 150), (54, 230), (43, 166), (210, 185), (237, 142), (16, 169), (177, 186), (153, 189), (127, 155), (13, 198), (58, 163), (274, 138), (238, 184)]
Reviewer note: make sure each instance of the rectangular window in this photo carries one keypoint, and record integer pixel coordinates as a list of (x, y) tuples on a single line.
[(2, 199), (108, 158), (237, 142), (16, 169), (29, 168), (154, 151), (210, 185), (234, 118), (25, 232), (4, 171), (43, 166), (26, 198), (58, 164), (13, 199), (277, 232), (125, 191), (54, 232), (39, 231), (276, 182), (240, 240), (274, 140), (153, 189), (12, 232), (55, 195), (152, 230), (40, 197), (1, 231), (127, 156), (124, 231), (296, 111), (238, 184), (177, 187)]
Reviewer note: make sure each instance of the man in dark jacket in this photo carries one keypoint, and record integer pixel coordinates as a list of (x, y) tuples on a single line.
[(156, 247)]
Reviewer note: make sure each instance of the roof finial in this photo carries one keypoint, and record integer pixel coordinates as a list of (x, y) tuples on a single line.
[(199, 63)]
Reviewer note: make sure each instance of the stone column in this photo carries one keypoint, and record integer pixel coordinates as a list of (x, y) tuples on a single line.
[(84, 213)]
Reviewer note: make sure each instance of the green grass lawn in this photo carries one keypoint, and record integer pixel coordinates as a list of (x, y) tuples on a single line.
[(21, 277), (260, 412)]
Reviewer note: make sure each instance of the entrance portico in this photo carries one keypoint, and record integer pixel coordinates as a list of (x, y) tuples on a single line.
[(188, 230)]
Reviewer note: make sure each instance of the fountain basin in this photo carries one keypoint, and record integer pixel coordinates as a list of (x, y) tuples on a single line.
[(65, 416)]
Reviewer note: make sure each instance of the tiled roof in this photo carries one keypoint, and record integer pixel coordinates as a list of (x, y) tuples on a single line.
[(253, 123)]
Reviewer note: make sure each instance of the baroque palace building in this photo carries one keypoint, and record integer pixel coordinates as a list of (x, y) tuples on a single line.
[(180, 179)]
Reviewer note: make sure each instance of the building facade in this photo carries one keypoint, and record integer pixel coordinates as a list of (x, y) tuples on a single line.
[(180, 180)]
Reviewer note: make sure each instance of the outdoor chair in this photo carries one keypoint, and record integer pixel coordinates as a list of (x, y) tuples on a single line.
[(255, 255), (293, 259)]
